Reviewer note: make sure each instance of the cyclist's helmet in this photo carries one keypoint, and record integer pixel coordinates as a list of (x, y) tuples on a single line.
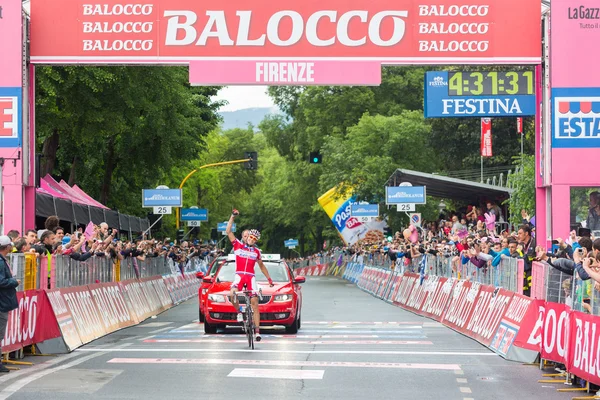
[(255, 233)]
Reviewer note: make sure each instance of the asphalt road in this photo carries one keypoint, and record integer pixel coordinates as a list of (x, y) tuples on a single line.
[(351, 346)]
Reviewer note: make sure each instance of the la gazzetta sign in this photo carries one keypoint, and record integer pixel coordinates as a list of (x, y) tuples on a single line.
[(381, 31)]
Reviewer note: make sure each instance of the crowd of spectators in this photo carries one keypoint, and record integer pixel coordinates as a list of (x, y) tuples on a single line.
[(101, 241)]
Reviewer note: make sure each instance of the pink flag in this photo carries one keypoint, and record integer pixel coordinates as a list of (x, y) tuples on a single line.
[(89, 231)]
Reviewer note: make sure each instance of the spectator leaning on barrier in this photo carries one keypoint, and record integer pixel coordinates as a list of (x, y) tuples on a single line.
[(31, 236), (21, 245), (46, 248), (8, 289), (528, 245)]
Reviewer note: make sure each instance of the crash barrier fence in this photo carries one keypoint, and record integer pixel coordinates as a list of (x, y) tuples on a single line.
[(59, 271), (77, 315), (557, 325), (508, 274)]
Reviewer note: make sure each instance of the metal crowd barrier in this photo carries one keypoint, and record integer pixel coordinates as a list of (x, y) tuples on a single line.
[(39, 272), (505, 274)]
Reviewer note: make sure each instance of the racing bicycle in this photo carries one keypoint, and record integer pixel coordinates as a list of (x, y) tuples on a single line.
[(248, 324)]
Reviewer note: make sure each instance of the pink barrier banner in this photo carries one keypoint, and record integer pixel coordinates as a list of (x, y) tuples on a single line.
[(33, 322), (305, 73), (489, 309), (65, 319), (461, 306), (112, 307), (584, 349), (519, 308), (405, 288), (440, 293)]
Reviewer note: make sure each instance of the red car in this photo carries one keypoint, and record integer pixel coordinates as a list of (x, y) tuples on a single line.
[(212, 270), (280, 304)]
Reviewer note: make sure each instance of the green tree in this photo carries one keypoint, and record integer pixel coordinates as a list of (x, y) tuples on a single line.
[(116, 130), (523, 183)]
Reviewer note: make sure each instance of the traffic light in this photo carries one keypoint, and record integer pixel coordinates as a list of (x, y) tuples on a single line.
[(253, 163), (314, 157), (180, 233), (387, 231)]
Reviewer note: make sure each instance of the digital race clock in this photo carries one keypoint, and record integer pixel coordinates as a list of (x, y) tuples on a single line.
[(490, 83), (479, 94)]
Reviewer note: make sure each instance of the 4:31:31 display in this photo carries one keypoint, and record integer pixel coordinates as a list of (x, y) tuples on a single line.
[(490, 83)]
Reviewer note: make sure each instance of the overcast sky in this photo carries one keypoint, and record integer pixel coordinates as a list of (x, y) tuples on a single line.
[(240, 97)]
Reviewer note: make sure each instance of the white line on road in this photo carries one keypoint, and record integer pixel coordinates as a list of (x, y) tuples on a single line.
[(465, 389), (283, 363), (161, 330), (176, 350), (461, 380), (276, 373), (18, 385), (287, 342)]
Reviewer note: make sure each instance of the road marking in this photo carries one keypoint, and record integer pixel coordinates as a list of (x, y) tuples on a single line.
[(418, 353), (464, 389), (153, 324), (309, 342), (461, 380), (283, 363), (459, 372), (18, 385), (161, 330), (276, 373), (360, 323), (285, 337)]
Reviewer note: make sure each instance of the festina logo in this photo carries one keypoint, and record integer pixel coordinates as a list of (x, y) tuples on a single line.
[(182, 28), (481, 107)]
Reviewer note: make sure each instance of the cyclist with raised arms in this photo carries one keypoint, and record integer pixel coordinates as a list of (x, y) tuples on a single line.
[(246, 257)]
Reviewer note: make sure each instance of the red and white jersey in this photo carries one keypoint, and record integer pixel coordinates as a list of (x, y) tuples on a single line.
[(245, 257)]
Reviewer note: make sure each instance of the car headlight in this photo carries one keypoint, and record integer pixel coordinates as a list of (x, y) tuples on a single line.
[(216, 298), (283, 297)]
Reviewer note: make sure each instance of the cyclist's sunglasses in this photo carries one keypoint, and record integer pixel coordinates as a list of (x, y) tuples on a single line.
[(253, 237)]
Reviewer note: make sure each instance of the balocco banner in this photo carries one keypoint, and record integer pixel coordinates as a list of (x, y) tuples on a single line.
[(388, 31)]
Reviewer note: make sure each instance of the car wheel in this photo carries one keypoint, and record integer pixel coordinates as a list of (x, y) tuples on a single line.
[(201, 316), (294, 327), (209, 328)]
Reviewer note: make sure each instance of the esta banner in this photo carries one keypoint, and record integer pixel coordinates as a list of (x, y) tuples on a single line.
[(387, 31)]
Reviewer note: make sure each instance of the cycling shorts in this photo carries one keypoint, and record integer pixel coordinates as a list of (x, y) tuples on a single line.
[(245, 279)]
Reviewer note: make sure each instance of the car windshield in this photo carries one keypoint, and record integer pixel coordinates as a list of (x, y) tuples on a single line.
[(216, 265), (278, 272)]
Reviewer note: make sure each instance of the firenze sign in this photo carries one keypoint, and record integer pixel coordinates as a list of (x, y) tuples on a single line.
[(384, 31)]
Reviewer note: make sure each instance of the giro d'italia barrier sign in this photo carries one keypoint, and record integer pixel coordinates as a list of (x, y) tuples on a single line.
[(81, 314), (286, 42), (510, 324)]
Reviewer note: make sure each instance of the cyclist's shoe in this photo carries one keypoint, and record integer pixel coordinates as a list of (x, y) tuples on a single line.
[(240, 317), (258, 337)]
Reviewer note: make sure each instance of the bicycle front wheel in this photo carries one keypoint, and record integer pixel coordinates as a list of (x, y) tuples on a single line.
[(250, 327)]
